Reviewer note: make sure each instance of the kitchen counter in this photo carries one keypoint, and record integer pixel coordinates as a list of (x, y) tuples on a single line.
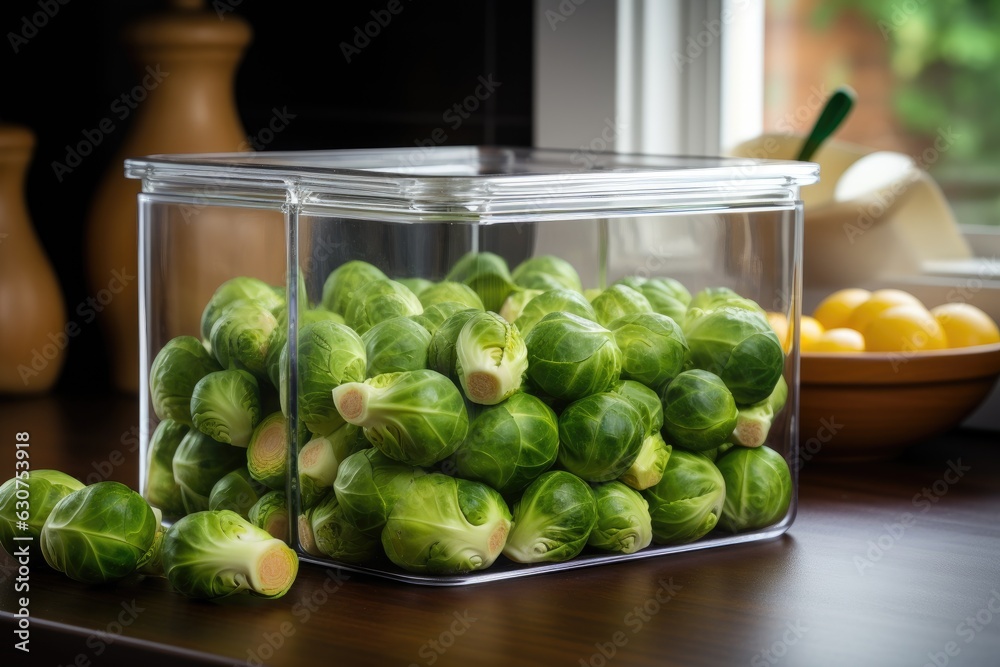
[(887, 563)]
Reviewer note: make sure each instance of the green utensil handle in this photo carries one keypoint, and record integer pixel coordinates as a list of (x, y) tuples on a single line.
[(836, 109)]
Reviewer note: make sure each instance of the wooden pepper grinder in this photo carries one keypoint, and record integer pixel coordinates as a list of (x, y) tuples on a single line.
[(33, 334), (184, 103)]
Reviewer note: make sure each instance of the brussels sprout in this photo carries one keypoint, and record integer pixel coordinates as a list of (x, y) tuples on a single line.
[(337, 537), (100, 533), (216, 554), (329, 354), (653, 348), (279, 337), (618, 301), (415, 284), (437, 314), (270, 514), (645, 400), (686, 503), (545, 272), (739, 346), (176, 369), (570, 357), (367, 486), (667, 297), (449, 291), (306, 538), (490, 358), (417, 417), (509, 444), (225, 405), (397, 344), (441, 353), (235, 289), (623, 521), (486, 273), (380, 300), (553, 301), (515, 302), (754, 421), (713, 298), (267, 453), (199, 463), (319, 460), (552, 520), (153, 563), (241, 335), (699, 412), (648, 467), (236, 491), (444, 525), (41, 490), (600, 436), (162, 490), (758, 488), (344, 281)]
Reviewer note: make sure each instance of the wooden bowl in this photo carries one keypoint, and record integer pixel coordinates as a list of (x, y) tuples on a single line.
[(872, 405)]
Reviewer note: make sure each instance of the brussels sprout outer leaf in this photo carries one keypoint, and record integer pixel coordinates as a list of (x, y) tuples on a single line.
[(623, 522), (552, 520)]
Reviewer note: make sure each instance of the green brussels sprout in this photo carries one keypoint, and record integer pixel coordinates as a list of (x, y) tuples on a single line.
[(161, 489), (552, 520), (176, 369), (270, 514), (416, 284), (225, 405), (100, 533), (241, 335), (236, 289), (570, 357), (368, 485), (29, 497), (509, 444), (754, 421), (319, 459), (647, 469), (486, 273), (153, 563), (515, 302), (380, 300), (212, 555), (199, 463), (306, 537), (699, 412), (236, 491), (713, 298), (623, 521), (553, 301), (739, 346), (685, 505), (600, 436), (344, 281), (545, 272), (616, 302), (329, 354), (445, 525), (416, 417), (441, 353), (397, 344), (645, 400), (758, 488), (449, 291), (437, 314), (267, 453), (667, 297), (279, 337), (653, 348), (338, 538), (490, 358)]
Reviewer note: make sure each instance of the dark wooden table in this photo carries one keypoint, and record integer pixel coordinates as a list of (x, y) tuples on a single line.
[(890, 563)]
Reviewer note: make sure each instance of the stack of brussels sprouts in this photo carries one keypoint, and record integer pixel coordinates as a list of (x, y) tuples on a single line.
[(442, 424)]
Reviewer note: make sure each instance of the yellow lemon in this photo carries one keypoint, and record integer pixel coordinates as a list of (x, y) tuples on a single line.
[(779, 323), (904, 328), (833, 311), (810, 331), (965, 325), (840, 339), (880, 300)]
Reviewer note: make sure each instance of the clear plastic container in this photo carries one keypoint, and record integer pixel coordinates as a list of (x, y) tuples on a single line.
[(414, 213)]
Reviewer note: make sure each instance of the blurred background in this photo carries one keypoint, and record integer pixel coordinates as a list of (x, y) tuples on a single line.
[(920, 69)]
